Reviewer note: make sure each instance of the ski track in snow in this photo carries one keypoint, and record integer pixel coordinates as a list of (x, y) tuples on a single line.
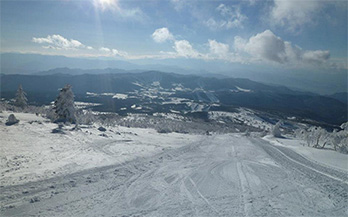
[(245, 189), (222, 175)]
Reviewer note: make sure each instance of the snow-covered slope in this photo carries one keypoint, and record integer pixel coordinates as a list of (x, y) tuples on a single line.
[(121, 171), (30, 152), (329, 158), (221, 175)]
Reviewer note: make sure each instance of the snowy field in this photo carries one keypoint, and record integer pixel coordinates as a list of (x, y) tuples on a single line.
[(30, 152), (139, 172)]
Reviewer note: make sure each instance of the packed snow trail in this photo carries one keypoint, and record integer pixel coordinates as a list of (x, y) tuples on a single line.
[(223, 175)]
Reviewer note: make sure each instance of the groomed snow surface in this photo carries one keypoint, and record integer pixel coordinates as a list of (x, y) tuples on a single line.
[(139, 172)]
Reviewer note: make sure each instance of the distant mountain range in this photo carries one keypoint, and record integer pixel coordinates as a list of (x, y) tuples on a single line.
[(324, 82), (175, 91), (16, 63)]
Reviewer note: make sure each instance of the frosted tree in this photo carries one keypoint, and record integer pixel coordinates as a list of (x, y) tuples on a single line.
[(341, 139), (320, 135), (21, 99), (64, 105), (276, 130)]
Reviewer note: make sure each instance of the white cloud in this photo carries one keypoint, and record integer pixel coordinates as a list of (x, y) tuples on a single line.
[(105, 49), (110, 52), (119, 53), (161, 35), (266, 46), (47, 40), (221, 50), (115, 52), (239, 43), (293, 15), (185, 49), (231, 17), (58, 42), (316, 56)]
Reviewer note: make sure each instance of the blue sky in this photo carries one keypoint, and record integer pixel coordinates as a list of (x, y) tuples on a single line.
[(289, 35)]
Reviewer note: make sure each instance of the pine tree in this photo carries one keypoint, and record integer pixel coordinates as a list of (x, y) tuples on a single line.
[(21, 99), (64, 105)]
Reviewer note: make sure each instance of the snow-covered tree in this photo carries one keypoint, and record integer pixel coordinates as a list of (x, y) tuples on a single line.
[(276, 129), (339, 139), (21, 99), (318, 137), (64, 105)]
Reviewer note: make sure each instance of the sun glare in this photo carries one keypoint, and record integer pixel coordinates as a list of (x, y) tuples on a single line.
[(106, 4)]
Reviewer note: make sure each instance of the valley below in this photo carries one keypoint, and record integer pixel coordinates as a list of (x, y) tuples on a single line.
[(152, 92)]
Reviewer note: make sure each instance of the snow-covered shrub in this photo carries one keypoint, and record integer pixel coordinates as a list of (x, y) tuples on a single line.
[(339, 139), (64, 105), (11, 120), (21, 100), (321, 137), (301, 134), (4, 106), (109, 120), (50, 114), (85, 117), (318, 137), (343, 148), (276, 129)]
